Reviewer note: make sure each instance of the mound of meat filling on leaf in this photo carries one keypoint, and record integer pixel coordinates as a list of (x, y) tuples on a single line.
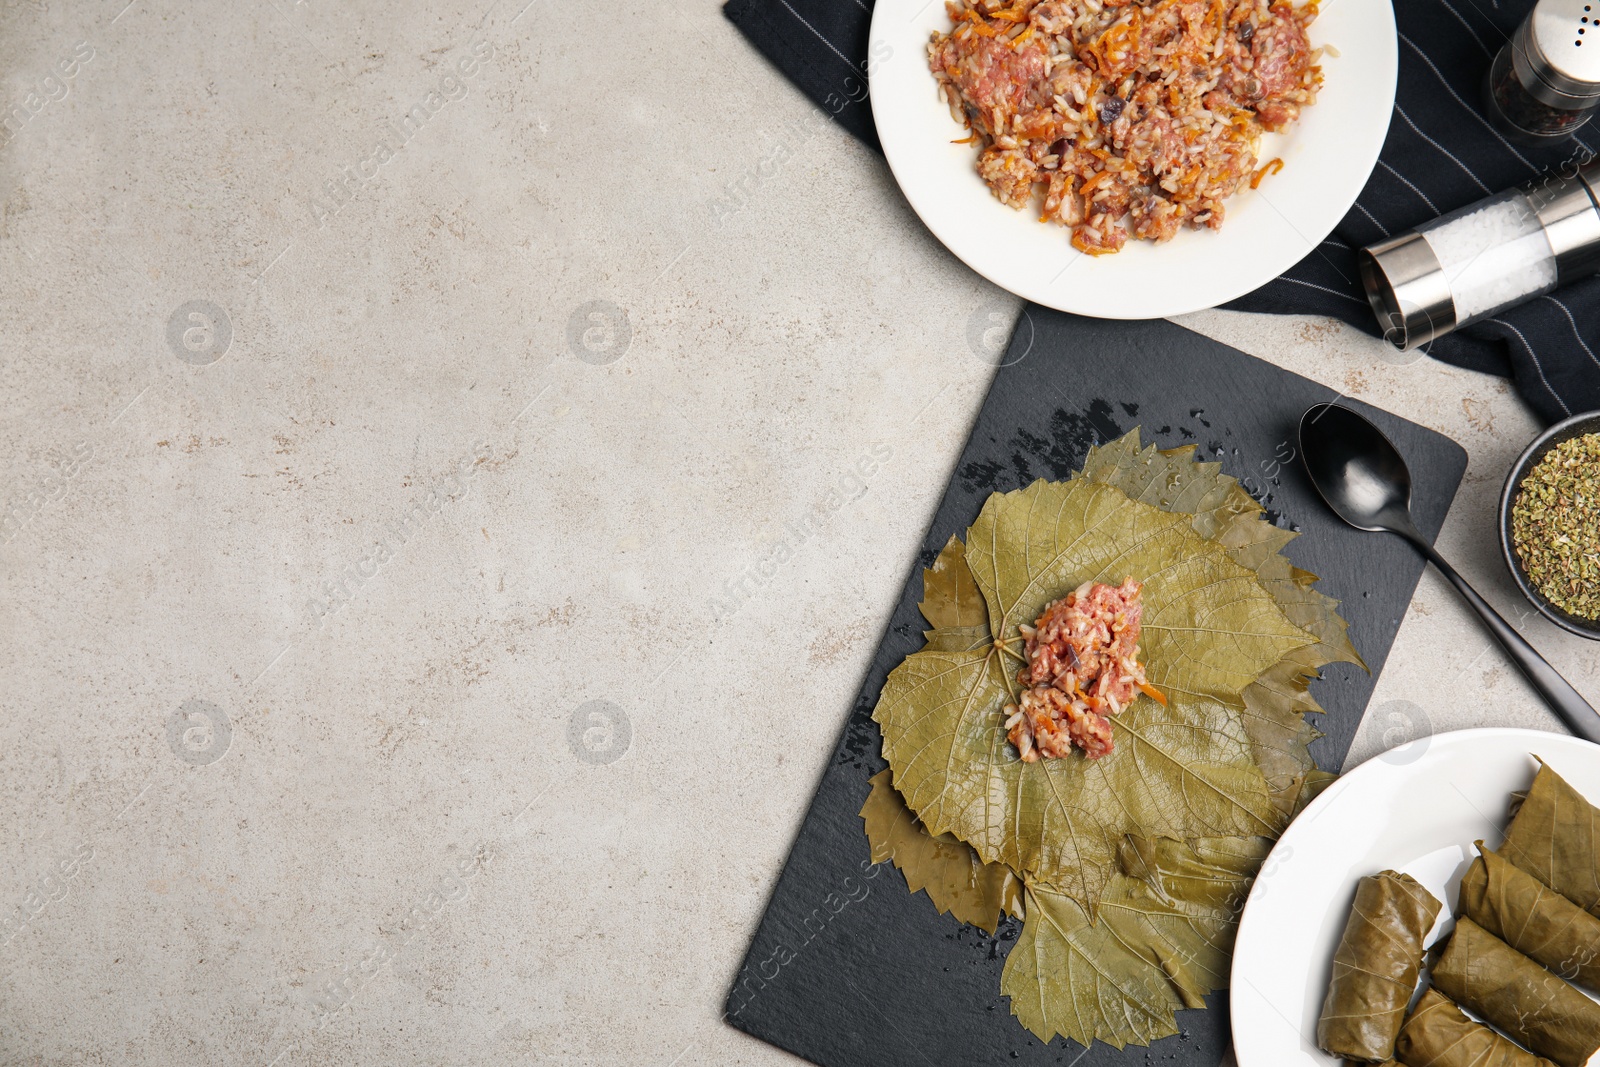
[(1083, 668)]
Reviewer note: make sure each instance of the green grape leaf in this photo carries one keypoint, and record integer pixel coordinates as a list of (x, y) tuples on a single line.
[(1280, 742), (952, 603), (1134, 864), (1221, 510), (957, 639), (1067, 976), (950, 596), (1161, 942), (1209, 628), (1184, 770), (947, 869), (1311, 788), (1206, 878), (1172, 480), (1183, 913)]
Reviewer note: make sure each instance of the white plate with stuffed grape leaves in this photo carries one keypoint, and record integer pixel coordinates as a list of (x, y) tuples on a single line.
[(1418, 810)]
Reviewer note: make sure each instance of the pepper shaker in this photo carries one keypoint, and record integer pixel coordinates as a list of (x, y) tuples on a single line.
[(1472, 263), (1545, 83)]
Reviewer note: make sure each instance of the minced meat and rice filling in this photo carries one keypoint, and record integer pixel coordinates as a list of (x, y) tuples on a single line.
[(1131, 118), (1083, 667)]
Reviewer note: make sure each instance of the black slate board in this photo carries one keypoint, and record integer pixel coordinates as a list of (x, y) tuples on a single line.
[(849, 970)]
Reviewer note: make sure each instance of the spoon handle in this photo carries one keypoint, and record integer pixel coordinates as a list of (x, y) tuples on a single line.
[(1564, 700)]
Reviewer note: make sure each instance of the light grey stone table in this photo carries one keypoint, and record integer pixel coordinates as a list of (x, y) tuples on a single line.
[(437, 574)]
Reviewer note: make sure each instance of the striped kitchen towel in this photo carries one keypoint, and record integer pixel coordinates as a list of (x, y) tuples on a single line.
[(1441, 154)]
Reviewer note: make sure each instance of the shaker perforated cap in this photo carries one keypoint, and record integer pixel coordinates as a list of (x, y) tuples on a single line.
[(1556, 52)]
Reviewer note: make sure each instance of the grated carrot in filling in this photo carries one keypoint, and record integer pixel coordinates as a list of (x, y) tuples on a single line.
[(1273, 166), (1172, 97)]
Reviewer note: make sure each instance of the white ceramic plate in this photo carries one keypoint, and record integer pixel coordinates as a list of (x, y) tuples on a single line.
[(1328, 156), (1417, 809)]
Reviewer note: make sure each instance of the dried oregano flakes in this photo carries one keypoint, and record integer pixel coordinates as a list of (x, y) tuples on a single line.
[(1555, 525)]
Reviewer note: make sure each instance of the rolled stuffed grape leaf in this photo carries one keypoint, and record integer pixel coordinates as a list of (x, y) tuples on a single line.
[(947, 869), (1556, 838), (1437, 1034), (1533, 919), (1375, 967), (1529, 1004), (1150, 952)]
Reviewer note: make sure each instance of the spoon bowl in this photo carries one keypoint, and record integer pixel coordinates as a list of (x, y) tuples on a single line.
[(1356, 470)]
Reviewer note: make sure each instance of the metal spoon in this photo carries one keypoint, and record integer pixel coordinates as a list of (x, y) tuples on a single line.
[(1362, 476)]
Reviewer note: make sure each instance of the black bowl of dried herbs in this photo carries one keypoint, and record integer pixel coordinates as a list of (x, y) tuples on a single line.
[(1550, 524)]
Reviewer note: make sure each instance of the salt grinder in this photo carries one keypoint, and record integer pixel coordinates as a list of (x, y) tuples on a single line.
[(1545, 83), (1488, 256)]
